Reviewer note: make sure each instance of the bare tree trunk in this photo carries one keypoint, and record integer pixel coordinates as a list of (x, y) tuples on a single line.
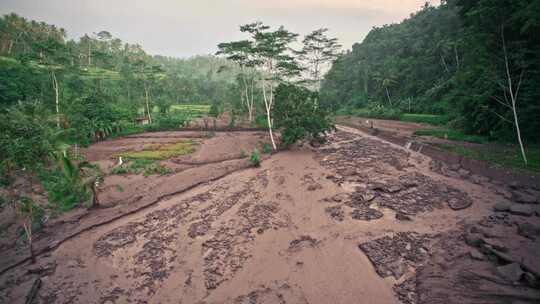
[(388, 96), (251, 101), (147, 102), (10, 47), (28, 230), (32, 254), (457, 57), (268, 106), (89, 54), (95, 199), (513, 95), (366, 81), (57, 101), (444, 63)]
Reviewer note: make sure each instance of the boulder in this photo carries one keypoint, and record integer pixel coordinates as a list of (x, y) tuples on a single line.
[(456, 204), (511, 272), (340, 197), (501, 207), (528, 230), (524, 198), (524, 210), (463, 172), (403, 217), (393, 188), (476, 255), (473, 239)]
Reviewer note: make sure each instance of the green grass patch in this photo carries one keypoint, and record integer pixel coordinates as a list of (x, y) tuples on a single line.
[(437, 120), (161, 152), (455, 135), (145, 166), (509, 157), (191, 110), (377, 113)]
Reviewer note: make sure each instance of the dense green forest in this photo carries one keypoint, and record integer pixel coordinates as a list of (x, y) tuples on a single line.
[(93, 84), (474, 61)]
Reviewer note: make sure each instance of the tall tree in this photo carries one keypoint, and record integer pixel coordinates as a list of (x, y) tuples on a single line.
[(242, 52), (271, 49), (317, 52)]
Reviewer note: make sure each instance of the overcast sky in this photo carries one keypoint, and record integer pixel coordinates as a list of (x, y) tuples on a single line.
[(183, 28)]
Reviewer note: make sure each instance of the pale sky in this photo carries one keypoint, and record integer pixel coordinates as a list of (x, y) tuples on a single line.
[(183, 28)]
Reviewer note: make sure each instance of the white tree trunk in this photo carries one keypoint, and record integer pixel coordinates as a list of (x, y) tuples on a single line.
[(388, 96), (268, 105), (513, 96), (147, 103), (57, 99)]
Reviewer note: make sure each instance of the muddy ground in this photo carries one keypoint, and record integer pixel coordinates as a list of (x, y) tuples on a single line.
[(356, 220)]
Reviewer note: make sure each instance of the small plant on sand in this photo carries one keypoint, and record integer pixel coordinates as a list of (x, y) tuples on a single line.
[(266, 148), (30, 216), (255, 159), (242, 154)]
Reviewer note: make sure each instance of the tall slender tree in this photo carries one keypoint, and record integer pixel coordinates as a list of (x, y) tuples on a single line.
[(273, 56), (317, 52)]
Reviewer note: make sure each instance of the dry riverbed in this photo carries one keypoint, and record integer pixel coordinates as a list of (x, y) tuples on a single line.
[(356, 220)]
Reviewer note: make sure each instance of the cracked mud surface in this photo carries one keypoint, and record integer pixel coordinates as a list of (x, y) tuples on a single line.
[(357, 220)]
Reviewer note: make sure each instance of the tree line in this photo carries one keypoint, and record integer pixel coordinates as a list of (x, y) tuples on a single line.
[(476, 61), (91, 84)]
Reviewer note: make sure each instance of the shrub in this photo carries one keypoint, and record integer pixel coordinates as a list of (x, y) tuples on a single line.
[(62, 192), (266, 148), (254, 159), (297, 114)]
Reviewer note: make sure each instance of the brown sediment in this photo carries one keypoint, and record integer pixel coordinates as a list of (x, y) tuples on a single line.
[(357, 219)]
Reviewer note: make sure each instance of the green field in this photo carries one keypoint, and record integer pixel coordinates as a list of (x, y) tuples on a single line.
[(437, 120), (191, 110), (509, 157), (450, 134)]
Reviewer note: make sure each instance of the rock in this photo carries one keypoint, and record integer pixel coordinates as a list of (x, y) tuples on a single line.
[(524, 210), (476, 255), (503, 192), (487, 249), (528, 230), (496, 245), (476, 179), (531, 265), (368, 197), (456, 204), (393, 189), (340, 197), (463, 172), (473, 239), (531, 279), (511, 272), (72, 264), (515, 185), (409, 183), (524, 198), (347, 171), (43, 270), (454, 167), (402, 217), (501, 207)]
